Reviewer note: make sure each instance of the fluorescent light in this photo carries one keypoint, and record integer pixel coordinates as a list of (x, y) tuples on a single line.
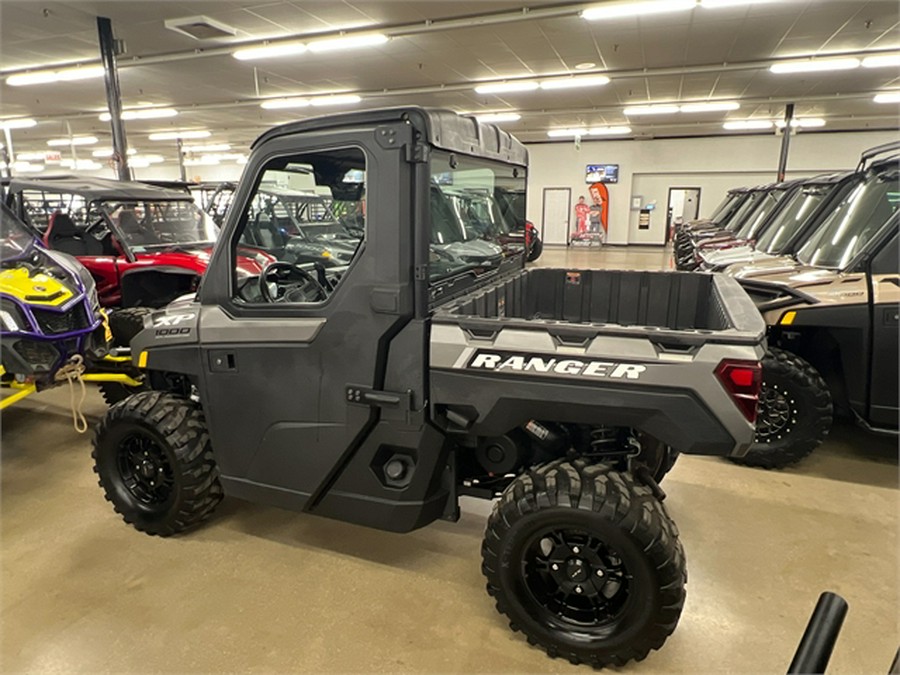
[(269, 51), (609, 131), (334, 99), (572, 82), (108, 152), (280, 103), (615, 10), (27, 167), (17, 123), (347, 42), (744, 125), (710, 106), (142, 114), (202, 161), (496, 118), (803, 122), (715, 4), (241, 160), (887, 97), (505, 87), (663, 109), (814, 65), (209, 147), (63, 75), (881, 61), (175, 135), (149, 159), (74, 140), (81, 164), (565, 133), (30, 156)]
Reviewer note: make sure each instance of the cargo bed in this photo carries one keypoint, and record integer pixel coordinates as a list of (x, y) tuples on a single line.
[(667, 306)]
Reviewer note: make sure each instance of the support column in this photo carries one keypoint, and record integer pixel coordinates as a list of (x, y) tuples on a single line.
[(8, 155), (785, 140), (113, 96), (181, 169)]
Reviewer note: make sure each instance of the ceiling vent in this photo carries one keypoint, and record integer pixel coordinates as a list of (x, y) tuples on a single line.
[(200, 28)]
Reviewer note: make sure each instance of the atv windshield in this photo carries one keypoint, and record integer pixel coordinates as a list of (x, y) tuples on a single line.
[(745, 210), (15, 238), (764, 209), (853, 222), (152, 225), (727, 206), (800, 206)]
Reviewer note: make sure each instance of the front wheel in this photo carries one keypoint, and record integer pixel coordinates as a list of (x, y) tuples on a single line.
[(537, 247), (794, 412), (155, 464), (586, 563)]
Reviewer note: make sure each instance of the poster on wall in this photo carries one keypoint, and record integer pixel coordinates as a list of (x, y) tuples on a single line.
[(601, 173), (592, 217)]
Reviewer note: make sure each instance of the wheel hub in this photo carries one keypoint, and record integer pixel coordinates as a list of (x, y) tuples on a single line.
[(145, 469), (777, 413), (577, 570)]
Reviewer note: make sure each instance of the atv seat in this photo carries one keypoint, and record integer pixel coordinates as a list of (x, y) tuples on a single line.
[(64, 235)]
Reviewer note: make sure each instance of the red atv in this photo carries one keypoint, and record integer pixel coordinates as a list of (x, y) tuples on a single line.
[(144, 245)]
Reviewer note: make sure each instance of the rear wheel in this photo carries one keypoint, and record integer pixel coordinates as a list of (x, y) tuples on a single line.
[(155, 464), (794, 412), (535, 250), (586, 563)]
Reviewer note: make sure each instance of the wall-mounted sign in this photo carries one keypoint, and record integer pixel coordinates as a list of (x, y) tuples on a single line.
[(637, 202), (601, 173)]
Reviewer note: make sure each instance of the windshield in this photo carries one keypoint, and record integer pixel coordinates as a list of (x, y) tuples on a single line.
[(158, 224), (801, 205), (853, 222), (469, 230), (15, 238), (767, 204), (727, 208), (744, 210)]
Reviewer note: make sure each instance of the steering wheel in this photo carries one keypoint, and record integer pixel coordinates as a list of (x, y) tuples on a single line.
[(282, 272)]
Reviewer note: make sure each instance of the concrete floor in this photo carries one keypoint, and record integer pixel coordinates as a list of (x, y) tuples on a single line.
[(259, 589)]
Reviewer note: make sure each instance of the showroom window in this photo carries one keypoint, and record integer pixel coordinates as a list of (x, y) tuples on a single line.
[(303, 227)]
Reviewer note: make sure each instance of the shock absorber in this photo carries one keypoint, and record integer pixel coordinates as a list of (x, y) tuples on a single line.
[(605, 441)]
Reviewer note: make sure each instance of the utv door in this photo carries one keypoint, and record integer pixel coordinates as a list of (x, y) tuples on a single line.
[(293, 387), (885, 309)]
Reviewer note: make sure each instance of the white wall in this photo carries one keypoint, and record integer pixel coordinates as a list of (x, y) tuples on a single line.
[(650, 167)]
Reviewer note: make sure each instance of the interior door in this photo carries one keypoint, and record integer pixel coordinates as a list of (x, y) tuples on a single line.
[(556, 213), (691, 208), (281, 365), (885, 316)]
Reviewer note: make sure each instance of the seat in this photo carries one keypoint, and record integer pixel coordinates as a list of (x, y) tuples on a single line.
[(64, 235)]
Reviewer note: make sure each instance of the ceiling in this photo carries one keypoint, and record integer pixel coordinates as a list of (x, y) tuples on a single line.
[(438, 52)]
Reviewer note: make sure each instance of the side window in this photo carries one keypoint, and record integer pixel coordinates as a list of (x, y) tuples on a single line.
[(885, 261), (301, 229)]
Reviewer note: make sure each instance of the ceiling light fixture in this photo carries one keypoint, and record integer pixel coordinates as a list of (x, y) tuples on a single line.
[(715, 4), (662, 109), (30, 156), (609, 131), (269, 51), (802, 122), (17, 123), (887, 97), (74, 140), (615, 10), (747, 125), (27, 167), (108, 152), (565, 133), (881, 61), (149, 159), (201, 162), (814, 65), (63, 75), (81, 164), (710, 106), (507, 87), (347, 42), (209, 147), (334, 99), (496, 118), (281, 103), (577, 81), (587, 65), (175, 135), (142, 114)]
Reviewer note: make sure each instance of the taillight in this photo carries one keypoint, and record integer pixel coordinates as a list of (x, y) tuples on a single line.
[(529, 232), (742, 380)]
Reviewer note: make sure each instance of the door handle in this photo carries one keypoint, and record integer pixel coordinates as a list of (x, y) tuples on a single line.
[(222, 361)]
